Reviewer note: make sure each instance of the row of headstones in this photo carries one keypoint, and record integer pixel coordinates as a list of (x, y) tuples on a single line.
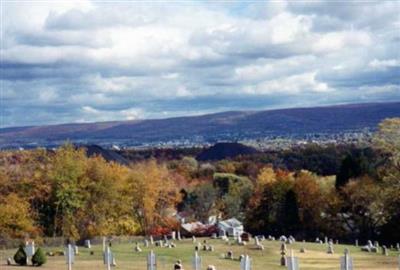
[(175, 235), (369, 247), (292, 262), (245, 263), (108, 257)]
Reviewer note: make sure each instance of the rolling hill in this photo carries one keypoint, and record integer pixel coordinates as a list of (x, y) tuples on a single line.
[(231, 125)]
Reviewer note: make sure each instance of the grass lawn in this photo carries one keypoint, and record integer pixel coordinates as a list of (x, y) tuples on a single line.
[(314, 258)]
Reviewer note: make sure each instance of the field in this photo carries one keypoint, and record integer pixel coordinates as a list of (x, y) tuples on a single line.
[(314, 258)]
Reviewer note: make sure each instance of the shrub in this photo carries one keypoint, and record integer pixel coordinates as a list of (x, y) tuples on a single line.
[(20, 256), (39, 257)]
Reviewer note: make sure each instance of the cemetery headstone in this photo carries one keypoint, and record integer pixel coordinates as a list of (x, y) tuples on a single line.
[(137, 248), (108, 258), (385, 251), (239, 240), (29, 249), (178, 265), (70, 256), (330, 248), (229, 255), (245, 263), (87, 244), (151, 240), (151, 261), (346, 262), (196, 262), (104, 244), (283, 255), (292, 262)]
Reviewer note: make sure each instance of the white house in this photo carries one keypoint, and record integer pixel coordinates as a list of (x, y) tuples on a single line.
[(232, 227)]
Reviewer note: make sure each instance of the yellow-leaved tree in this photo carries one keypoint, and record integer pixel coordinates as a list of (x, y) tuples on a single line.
[(153, 193)]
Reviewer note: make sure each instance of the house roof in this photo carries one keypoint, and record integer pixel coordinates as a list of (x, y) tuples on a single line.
[(232, 222)]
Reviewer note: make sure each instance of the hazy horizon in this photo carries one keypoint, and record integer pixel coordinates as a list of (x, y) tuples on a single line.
[(215, 112), (91, 61)]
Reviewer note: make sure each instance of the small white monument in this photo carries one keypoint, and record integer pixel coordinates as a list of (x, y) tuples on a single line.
[(70, 256), (108, 258), (196, 261), (292, 262), (245, 263), (87, 244), (151, 261), (30, 248), (346, 262)]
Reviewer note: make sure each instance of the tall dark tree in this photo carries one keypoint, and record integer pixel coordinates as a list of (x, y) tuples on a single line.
[(289, 216)]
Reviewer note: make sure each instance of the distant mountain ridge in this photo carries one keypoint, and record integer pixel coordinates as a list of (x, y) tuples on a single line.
[(231, 125)]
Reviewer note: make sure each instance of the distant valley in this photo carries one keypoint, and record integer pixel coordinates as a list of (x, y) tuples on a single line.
[(295, 123)]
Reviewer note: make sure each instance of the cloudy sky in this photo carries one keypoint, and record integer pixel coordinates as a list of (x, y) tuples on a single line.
[(85, 61)]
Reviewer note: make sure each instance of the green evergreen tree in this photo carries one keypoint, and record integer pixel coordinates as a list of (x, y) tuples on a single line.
[(39, 258), (20, 256), (290, 218)]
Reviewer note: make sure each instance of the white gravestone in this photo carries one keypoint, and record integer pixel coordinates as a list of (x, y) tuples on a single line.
[(70, 256), (292, 262), (196, 262), (151, 261), (87, 244), (108, 258), (151, 240), (104, 244), (346, 262), (30, 249), (245, 263)]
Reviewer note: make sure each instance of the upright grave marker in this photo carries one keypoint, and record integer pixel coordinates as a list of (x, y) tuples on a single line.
[(151, 240), (151, 261), (293, 262), (346, 262), (87, 244), (245, 263), (196, 261), (30, 248), (108, 258), (70, 256), (283, 254), (104, 244)]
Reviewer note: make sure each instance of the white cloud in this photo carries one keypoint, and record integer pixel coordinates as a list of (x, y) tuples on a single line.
[(383, 64), (61, 57), (90, 114), (295, 84), (336, 41)]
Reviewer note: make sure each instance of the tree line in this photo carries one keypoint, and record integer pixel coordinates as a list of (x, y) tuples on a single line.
[(66, 193)]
